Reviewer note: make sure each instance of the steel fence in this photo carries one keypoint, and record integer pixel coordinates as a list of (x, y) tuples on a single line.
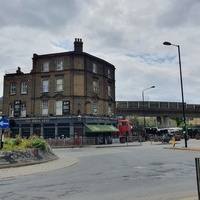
[(70, 142)]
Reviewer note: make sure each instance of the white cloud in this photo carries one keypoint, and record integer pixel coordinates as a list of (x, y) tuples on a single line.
[(128, 34)]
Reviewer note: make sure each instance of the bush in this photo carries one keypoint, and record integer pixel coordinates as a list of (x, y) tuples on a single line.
[(20, 143), (38, 142)]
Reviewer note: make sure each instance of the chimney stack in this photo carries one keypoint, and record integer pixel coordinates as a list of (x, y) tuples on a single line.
[(78, 45)]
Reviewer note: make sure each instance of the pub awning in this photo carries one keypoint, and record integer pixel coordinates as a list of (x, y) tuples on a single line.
[(100, 128)]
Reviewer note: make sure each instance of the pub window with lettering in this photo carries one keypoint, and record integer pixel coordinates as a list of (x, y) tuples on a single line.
[(17, 108), (62, 107), (66, 108)]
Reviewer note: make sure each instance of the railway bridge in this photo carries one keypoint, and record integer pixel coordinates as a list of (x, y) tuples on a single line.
[(161, 110)]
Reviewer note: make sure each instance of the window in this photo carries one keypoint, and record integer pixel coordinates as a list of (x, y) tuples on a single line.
[(13, 88), (59, 85), (23, 87), (109, 90), (94, 68), (45, 66), (59, 65), (109, 75), (45, 86), (11, 110), (95, 108), (23, 110), (95, 86), (109, 110), (59, 107), (45, 107)]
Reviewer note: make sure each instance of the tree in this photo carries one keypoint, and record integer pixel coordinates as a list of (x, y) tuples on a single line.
[(139, 121), (179, 120)]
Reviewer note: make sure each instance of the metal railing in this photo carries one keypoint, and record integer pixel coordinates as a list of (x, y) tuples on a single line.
[(67, 142)]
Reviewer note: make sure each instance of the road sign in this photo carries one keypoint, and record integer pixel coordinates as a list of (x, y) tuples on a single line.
[(4, 123)]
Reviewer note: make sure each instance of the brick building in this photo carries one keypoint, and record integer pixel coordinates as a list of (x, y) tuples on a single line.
[(65, 94)]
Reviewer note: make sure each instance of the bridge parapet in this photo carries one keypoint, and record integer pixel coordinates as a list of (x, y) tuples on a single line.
[(154, 104), (157, 108)]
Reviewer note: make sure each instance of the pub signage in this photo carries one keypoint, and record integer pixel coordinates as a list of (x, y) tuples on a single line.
[(66, 107), (17, 108)]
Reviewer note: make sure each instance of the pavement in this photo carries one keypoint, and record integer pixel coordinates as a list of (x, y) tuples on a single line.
[(61, 162)]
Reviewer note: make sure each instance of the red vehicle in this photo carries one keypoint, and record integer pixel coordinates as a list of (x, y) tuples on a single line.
[(124, 130)]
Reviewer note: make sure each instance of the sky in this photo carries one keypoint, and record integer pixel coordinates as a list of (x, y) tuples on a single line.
[(126, 33)]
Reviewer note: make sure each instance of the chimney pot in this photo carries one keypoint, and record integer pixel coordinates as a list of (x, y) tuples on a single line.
[(78, 45)]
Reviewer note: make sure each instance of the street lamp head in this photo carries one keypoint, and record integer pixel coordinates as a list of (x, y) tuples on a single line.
[(153, 86), (167, 43)]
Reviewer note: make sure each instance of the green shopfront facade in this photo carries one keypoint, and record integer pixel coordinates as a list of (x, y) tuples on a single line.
[(102, 133)]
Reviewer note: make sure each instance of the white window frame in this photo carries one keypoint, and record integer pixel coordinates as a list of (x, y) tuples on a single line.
[(11, 109), (45, 66), (45, 85), (59, 84), (109, 74), (13, 88), (94, 68), (59, 107), (95, 86), (95, 108), (24, 87), (109, 110), (45, 108), (59, 65), (109, 90), (23, 109)]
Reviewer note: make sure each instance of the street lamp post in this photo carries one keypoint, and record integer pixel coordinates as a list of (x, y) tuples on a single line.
[(143, 107), (181, 80)]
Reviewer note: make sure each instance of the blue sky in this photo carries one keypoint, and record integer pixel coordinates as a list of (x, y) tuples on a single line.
[(128, 34)]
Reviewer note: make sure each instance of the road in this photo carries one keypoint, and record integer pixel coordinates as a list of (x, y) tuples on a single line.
[(146, 172)]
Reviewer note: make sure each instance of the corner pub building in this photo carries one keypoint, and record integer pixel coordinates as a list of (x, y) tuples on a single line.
[(66, 95)]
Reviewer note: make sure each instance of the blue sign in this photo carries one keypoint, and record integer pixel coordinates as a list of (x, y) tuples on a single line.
[(4, 123)]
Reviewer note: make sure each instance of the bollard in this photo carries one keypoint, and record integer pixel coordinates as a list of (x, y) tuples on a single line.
[(197, 162), (173, 142)]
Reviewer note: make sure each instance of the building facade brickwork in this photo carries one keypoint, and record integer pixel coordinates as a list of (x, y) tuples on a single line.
[(61, 86)]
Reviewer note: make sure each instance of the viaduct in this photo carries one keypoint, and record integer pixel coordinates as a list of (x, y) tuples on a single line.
[(161, 110)]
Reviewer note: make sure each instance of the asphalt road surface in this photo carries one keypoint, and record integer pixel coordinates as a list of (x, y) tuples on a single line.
[(146, 172)]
